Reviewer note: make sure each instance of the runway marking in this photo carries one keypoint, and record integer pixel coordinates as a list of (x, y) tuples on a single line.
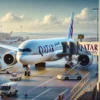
[(65, 91), (62, 93), (41, 93), (67, 96), (40, 85)]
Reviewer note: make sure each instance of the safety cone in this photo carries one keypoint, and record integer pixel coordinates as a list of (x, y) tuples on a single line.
[(26, 95)]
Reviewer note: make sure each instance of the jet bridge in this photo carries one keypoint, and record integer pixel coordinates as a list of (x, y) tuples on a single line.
[(75, 48), (69, 49), (80, 48)]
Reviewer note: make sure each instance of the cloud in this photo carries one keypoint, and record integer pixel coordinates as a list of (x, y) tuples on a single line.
[(12, 17), (50, 19), (83, 21), (86, 15), (83, 15), (66, 21)]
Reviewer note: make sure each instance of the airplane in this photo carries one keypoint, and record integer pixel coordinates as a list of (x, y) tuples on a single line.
[(38, 51), (20, 38), (7, 38), (5, 34), (10, 41)]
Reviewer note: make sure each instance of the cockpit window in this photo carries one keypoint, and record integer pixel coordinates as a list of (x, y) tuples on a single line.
[(25, 50)]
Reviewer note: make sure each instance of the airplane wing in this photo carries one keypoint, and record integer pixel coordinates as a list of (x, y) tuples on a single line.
[(9, 47), (6, 68)]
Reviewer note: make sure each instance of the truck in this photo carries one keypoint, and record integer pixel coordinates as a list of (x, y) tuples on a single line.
[(10, 88)]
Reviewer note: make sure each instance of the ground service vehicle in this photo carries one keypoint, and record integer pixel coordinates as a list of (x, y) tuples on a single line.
[(9, 88), (15, 77), (76, 76)]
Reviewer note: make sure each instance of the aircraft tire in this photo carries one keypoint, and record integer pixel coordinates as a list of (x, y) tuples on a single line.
[(79, 78), (25, 73), (29, 73), (66, 78), (67, 66), (7, 72)]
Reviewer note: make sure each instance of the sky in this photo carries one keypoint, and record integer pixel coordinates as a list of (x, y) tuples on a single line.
[(47, 15)]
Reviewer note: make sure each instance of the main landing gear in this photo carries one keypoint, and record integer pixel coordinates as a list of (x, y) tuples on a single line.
[(27, 71)]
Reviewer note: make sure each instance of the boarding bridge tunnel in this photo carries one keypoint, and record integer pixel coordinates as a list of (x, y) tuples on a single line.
[(74, 48)]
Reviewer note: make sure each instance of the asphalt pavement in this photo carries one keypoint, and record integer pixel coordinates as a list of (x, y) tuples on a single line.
[(43, 85)]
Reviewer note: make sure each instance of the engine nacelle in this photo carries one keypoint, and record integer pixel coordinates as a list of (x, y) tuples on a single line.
[(85, 60), (10, 58)]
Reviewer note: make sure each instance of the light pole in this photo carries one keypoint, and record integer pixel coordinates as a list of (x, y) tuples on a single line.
[(1, 28), (1, 32), (97, 9), (98, 57), (21, 28)]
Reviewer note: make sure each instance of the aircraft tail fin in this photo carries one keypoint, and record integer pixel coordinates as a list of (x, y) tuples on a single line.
[(70, 30), (10, 33)]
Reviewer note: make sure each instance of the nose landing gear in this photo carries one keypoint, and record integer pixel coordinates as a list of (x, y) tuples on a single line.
[(27, 71)]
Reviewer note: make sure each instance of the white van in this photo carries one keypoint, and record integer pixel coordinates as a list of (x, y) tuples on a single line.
[(9, 88)]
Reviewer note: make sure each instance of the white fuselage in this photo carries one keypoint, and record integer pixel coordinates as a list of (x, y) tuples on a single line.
[(40, 50)]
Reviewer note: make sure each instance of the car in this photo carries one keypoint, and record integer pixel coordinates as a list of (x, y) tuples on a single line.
[(76, 76), (15, 77)]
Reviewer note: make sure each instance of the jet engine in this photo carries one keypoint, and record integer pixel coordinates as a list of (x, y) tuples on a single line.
[(10, 58), (85, 60)]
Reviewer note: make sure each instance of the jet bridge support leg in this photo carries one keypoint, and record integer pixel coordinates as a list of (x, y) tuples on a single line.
[(69, 49), (69, 63), (70, 57)]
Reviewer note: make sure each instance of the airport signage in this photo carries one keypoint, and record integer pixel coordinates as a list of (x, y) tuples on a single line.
[(88, 48), (81, 48), (80, 36)]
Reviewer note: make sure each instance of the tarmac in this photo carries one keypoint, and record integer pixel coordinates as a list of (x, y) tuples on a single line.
[(43, 85)]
